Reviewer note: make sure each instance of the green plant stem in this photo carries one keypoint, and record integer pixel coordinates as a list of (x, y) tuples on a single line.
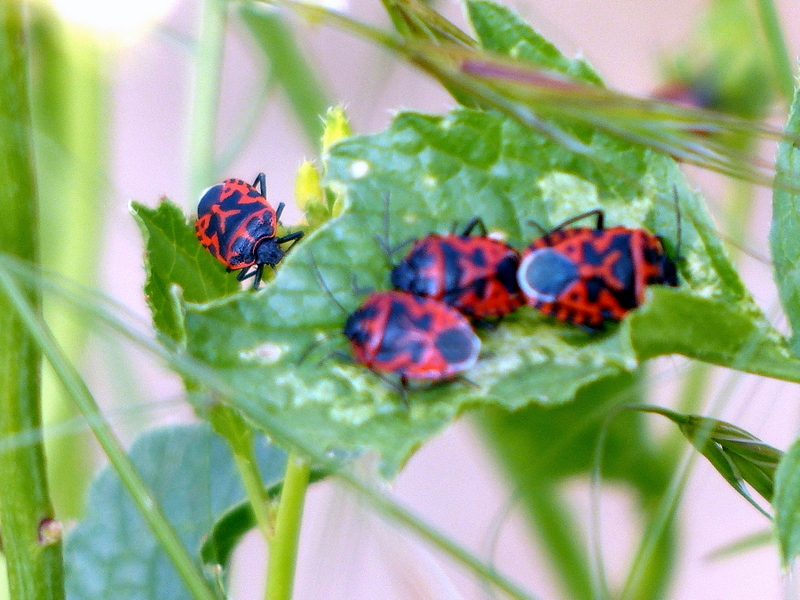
[(777, 48), (70, 96), (205, 97), (560, 538), (35, 569), (230, 425), (283, 545), (122, 464)]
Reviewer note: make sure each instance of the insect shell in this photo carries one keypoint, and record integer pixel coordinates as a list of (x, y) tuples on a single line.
[(414, 337), (474, 274), (587, 276), (237, 224)]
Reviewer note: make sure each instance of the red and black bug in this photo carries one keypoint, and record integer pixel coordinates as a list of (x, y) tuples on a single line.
[(476, 275), (237, 224), (586, 276), (414, 337)]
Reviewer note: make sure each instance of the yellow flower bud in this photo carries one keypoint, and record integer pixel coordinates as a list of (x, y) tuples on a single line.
[(336, 127), (306, 188)]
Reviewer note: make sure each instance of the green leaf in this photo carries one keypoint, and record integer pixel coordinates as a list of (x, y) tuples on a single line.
[(784, 237), (502, 30), (678, 321), (174, 256), (438, 171), (193, 478), (786, 503)]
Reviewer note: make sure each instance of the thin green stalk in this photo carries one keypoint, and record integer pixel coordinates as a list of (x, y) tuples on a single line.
[(205, 97), (122, 464), (105, 311), (561, 540), (283, 545), (306, 94), (230, 425), (35, 566), (70, 95), (655, 566), (778, 51)]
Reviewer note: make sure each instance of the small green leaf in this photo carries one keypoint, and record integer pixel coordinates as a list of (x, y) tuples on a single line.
[(786, 503), (193, 478), (174, 256), (501, 30), (784, 237), (218, 546)]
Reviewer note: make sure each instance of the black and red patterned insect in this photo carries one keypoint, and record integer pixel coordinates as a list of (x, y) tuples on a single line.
[(586, 276), (237, 224), (414, 337), (476, 275)]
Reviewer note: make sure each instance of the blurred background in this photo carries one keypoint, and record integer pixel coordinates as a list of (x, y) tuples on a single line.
[(120, 117)]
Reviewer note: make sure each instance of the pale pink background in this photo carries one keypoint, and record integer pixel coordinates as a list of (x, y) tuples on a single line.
[(347, 552)]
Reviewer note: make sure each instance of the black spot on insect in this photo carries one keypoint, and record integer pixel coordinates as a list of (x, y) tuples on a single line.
[(507, 273), (455, 345)]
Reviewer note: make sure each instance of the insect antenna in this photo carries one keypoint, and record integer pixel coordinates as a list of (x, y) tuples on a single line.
[(677, 221), (324, 285), (384, 240)]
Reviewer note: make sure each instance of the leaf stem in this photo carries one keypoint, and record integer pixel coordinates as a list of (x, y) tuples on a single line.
[(283, 545), (230, 425), (205, 97), (35, 565), (122, 464), (71, 118), (777, 48)]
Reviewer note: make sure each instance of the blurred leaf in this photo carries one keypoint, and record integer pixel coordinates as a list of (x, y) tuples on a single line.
[(786, 503), (784, 235), (553, 443), (193, 479), (503, 31), (724, 62), (737, 455), (743, 544), (304, 90), (174, 256), (540, 447)]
